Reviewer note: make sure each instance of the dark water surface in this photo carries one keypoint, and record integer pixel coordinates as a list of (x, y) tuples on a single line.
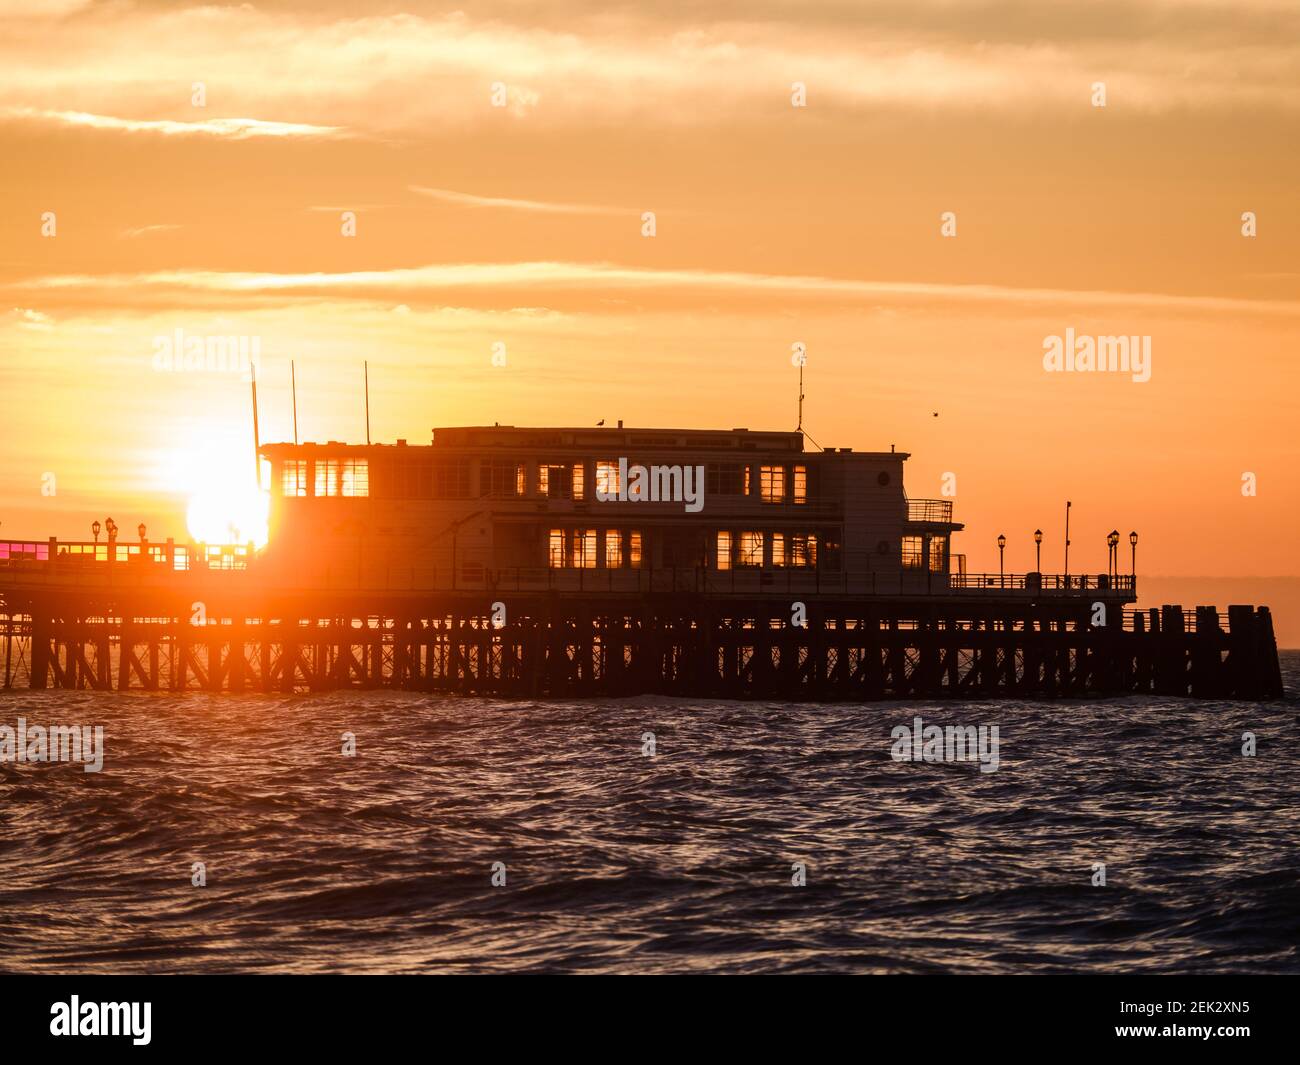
[(618, 862)]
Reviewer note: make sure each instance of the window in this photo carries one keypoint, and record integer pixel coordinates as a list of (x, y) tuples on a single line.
[(501, 478), (584, 548), (938, 547), (327, 477), (803, 550), (751, 549), (801, 484), (724, 550), (446, 480), (607, 482), (356, 477), (771, 483), (634, 549), (912, 552), (294, 478), (613, 541), (561, 482), (778, 549), (725, 479), (556, 549)]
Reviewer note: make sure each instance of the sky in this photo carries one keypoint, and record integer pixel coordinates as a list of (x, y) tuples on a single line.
[(422, 186)]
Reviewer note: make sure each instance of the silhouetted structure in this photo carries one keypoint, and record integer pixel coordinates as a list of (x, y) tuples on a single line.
[(522, 562)]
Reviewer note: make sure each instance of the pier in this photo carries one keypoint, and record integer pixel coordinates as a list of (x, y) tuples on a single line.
[(171, 618)]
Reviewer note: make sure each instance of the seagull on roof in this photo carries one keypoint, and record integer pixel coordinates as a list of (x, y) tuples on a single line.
[(601, 422)]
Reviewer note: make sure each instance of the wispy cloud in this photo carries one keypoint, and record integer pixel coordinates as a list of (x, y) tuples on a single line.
[(1210, 55), (465, 199), (434, 280), (232, 128), (141, 231)]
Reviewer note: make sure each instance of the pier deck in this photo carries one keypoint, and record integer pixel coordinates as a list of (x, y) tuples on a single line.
[(108, 626)]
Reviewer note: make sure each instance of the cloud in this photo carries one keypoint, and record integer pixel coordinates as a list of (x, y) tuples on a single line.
[(140, 231), (404, 74), (465, 199), (232, 128), (435, 280)]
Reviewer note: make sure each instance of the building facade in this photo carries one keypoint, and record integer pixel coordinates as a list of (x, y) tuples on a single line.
[(735, 511)]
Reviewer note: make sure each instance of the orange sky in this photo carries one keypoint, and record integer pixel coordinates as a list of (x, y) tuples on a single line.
[(776, 224)]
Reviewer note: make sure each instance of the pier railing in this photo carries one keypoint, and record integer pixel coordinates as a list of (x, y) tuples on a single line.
[(72, 556), (1042, 582)]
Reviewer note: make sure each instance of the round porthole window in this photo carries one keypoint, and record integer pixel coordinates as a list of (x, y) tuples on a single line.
[(883, 547), (882, 479)]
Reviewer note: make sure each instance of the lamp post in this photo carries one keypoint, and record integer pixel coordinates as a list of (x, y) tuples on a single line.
[(94, 528), (1112, 542), (1038, 549), (1133, 543), (110, 526), (1068, 504), (1002, 548)]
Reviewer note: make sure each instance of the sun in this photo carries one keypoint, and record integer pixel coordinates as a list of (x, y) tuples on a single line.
[(228, 514)]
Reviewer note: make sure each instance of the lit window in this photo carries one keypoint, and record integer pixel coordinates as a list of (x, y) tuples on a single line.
[(556, 553), (294, 481), (584, 548), (607, 483), (356, 477), (912, 552), (724, 550), (751, 549), (634, 549), (803, 550), (613, 543), (327, 477), (937, 560), (771, 483), (778, 549), (801, 484), (560, 482)]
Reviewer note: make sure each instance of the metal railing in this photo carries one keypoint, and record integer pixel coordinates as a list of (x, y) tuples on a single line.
[(1042, 582), (77, 555), (931, 510)]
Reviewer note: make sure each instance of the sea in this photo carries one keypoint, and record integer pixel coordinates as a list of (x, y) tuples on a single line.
[(389, 832)]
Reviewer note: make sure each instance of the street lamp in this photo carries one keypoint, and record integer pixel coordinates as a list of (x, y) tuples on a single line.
[(141, 530), (94, 528), (1133, 543), (1112, 554), (110, 527), (1002, 547), (1038, 549)]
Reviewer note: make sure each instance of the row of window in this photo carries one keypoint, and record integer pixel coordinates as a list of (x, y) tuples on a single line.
[(508, 479), (743, 549), (580, 548)]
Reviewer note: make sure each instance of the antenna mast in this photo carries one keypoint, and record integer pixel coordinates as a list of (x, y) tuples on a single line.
[(293, 384), (257, 443), (367, 367), (799, 427)]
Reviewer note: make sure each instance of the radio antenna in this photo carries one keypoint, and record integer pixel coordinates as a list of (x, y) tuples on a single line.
[(367, 368), (293, 385), (257, 444)]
